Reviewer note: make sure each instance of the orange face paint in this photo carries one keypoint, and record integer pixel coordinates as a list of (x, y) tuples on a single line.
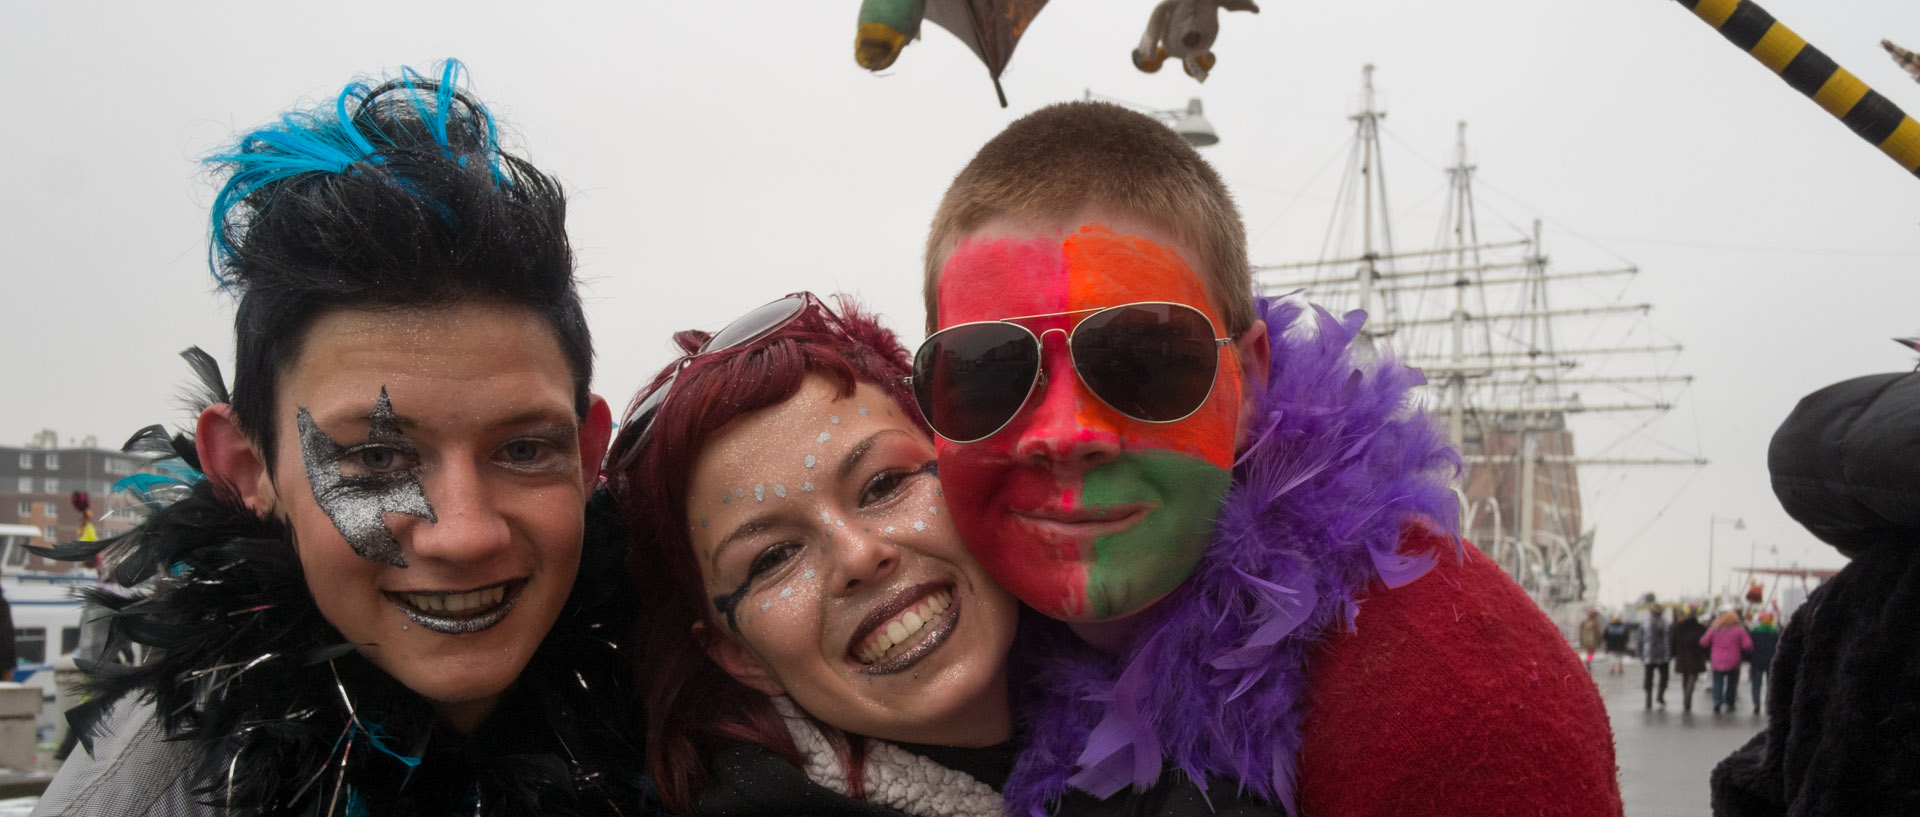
[(1081, 511)]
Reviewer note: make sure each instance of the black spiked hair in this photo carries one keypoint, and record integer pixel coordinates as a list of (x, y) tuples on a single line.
[(395, 196)]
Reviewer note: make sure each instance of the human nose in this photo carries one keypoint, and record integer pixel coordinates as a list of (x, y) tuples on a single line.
[(862, 557), (468, 524), (1059, 430)]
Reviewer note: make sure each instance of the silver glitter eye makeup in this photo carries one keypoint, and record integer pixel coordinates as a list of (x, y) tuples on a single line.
[(357, 505)]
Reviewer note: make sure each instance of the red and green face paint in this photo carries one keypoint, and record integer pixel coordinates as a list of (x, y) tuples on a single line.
[(1082, 512)]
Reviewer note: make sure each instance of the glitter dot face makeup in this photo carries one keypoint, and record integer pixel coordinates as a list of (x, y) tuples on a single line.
[(451, 436), (870, 614)]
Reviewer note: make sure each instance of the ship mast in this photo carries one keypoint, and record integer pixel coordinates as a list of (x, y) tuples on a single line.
[(1497, 374), (1372, 181), (1460, 175)]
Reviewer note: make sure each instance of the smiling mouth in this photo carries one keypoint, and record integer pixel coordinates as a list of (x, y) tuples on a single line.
[(901, 632), (459, 612), (1081, 523)]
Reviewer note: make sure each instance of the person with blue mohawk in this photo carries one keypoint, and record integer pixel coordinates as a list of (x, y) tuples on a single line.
[(376, 586)]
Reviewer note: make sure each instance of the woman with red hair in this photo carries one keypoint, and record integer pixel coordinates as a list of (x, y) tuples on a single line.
[(815, 637)]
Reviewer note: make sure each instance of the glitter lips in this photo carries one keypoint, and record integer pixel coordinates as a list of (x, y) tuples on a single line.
[(905, 629), (459, 612)]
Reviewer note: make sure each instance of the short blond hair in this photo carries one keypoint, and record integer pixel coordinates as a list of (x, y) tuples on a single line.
[(1062, 159)]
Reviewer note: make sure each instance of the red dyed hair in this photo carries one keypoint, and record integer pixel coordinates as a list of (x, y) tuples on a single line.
[(693, 706)]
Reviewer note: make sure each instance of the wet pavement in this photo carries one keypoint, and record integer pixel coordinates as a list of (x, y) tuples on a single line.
[(1665, 755)]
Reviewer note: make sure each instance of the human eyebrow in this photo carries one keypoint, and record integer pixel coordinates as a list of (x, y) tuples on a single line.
[(541, 422), (860, 451), (756, 525)]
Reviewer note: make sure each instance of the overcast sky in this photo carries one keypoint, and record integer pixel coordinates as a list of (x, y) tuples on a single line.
[(719, 155)]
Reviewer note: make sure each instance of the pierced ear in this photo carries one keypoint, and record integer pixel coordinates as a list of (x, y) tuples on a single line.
[(1256, 359), (229, 458), (596, 431), (737, 660)]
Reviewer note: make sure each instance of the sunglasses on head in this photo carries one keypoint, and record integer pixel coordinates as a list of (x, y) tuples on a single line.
[(1152, 361), (744, 330)]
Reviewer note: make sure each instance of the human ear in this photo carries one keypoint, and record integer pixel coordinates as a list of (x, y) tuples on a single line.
[(1256, 358), (737, 660), (596, 431), (230, 460)]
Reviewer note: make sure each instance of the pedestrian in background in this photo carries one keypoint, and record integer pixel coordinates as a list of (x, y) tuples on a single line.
[(1726, 640), (1656, 649), (1689, 656), (1615, 637), (1766, 638), (1590, 628)]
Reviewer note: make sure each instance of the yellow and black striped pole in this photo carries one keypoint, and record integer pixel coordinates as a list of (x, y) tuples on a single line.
[(1862, 109)]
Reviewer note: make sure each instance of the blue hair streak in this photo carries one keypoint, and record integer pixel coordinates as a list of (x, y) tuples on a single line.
[(344, 140)]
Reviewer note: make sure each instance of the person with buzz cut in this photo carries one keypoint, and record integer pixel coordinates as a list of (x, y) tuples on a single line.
[(1232, 517)]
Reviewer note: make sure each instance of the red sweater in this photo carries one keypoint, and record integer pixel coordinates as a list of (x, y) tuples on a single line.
[(1454, 695)]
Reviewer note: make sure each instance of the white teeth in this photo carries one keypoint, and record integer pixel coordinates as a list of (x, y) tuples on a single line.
[(457, 602), (903, 629)]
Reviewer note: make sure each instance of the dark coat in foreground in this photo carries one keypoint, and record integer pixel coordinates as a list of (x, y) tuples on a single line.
[(1843, 720)]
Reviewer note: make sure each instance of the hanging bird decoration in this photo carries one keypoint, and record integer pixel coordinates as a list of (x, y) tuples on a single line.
[(990, 27), (1903, 58), (1184, 30), (1811, 72)]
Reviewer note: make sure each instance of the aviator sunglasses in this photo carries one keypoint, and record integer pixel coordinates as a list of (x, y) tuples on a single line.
[(744, 330), (1152, 361)]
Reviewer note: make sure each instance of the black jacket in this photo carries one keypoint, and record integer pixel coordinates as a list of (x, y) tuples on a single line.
[(1842, 719), (254, 697), (1689, 658), (1765, 644)]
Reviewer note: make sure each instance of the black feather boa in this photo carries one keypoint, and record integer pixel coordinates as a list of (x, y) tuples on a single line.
[(241, 663)]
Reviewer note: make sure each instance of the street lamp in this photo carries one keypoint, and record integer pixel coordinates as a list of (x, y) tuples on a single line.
[(1713, 521), (1189, 122)]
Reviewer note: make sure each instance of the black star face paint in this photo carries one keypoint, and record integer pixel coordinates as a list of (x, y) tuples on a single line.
[(357, 485), (729, 603)]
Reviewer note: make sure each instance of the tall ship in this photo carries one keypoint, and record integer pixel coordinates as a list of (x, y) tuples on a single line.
[(1538, 375)]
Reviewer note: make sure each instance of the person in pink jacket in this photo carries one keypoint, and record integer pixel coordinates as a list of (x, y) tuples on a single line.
[(1726, 640)]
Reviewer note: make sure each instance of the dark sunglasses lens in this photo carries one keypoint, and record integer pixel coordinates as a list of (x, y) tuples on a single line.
[(1154, 362), (970, 380), (627, 442), (753, 325)]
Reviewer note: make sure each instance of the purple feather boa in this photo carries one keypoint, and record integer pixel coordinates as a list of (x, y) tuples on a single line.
[(1340, 461)]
